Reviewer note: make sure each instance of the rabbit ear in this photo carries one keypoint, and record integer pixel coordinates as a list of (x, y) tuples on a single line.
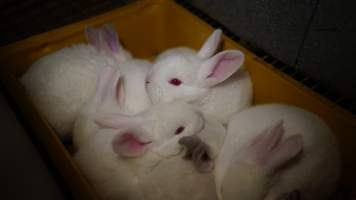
[(114, 120), (92, 36), (219, 67), (113, 89), (106, 75), (105, 39), (210, 45), (97, 38), (284, 152), (109, 88), (120, 92), (269, 152), (110, 37), (117, 120), (131, 143)]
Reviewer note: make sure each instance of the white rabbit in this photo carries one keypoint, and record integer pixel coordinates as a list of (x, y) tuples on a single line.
[(217, 84), (62, 82), (139, 157), (277, 152)]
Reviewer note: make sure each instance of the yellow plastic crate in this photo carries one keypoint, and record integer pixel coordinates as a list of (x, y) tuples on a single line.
[(146, 28)]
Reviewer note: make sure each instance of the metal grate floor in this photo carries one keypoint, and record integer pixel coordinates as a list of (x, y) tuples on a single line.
[(292, 71)]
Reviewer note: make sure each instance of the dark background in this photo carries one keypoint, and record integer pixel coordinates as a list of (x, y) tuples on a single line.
[(317, 37)]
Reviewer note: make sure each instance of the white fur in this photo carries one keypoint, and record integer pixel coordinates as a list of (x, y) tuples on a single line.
[(60, 83), (134, 97), (160, 173), (315, 174), (133, 74), (220, 100)]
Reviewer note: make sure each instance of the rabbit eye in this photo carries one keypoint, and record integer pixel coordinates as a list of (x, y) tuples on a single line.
[(179, 130), (175, 81)]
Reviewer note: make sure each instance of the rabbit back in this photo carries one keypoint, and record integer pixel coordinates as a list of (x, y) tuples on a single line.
[(60, 83)]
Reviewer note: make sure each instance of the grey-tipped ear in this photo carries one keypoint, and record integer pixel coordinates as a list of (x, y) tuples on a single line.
[(105, 39), (210, 45), (111, 38), (92, 36)]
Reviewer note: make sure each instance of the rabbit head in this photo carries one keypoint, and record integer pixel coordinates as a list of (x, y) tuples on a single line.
[(157, 130), (183, 74)]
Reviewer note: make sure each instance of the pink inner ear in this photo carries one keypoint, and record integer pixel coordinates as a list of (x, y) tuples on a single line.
[(111, 37), (223, 66), (128, 145), (270, 151), (284, 152), (220, 67)]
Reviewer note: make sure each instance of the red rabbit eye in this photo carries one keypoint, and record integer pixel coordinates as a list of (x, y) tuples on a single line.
[(179, 130), (175, 81)]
